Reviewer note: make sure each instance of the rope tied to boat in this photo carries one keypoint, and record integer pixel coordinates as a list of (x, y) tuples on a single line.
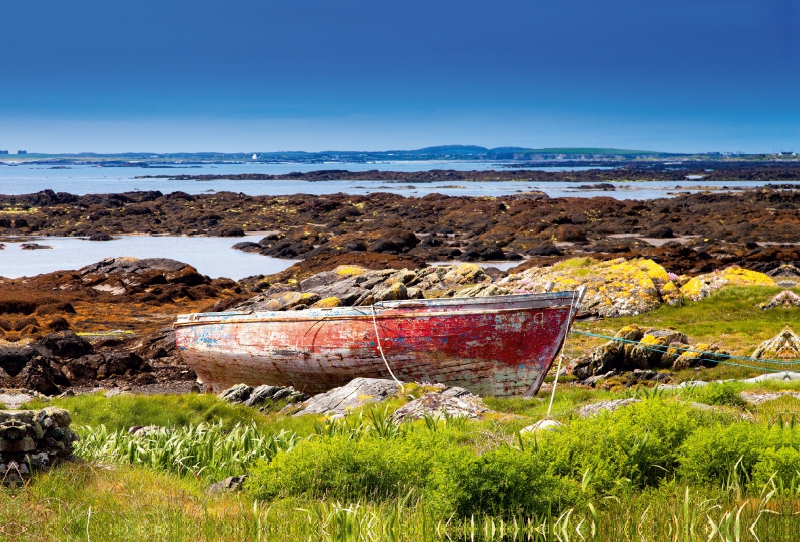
[(380, 349), (573, 305)]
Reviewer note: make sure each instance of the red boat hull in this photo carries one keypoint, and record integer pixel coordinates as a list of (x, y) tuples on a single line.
[(497, 346)]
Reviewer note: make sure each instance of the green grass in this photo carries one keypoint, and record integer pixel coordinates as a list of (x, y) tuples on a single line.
[(82, 502), (116, 496), (123, 411)]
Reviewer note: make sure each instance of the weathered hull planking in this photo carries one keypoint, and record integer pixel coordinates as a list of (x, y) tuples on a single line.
[(501, 346)]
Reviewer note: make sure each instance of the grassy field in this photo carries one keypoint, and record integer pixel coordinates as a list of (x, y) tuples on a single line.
[(644, 472)]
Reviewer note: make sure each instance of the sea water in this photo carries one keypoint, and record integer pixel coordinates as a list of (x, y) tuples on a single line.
[(82, 179), (212, 256)]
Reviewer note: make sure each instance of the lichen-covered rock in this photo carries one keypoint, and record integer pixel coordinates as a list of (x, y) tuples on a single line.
[(348, 285), (327, 303), (542, 425), (613, 288), (786, 298), (356, 393), (701, 286), (454, 401), (395, 292), (590, 410), (785, 345), (700, 355), (652, 347)]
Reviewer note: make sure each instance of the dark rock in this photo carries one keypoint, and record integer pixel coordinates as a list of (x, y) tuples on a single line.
[(66, 344), (58, 324), (100, 237), (547, 249), (661, 232), (236, 394), (247, 247)]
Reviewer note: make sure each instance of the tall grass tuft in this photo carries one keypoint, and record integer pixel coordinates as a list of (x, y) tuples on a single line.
[(210, 451)]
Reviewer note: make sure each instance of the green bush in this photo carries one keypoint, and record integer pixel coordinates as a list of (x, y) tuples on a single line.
[(781, 464), (453, 478), (709, 456), (724, 393), (503, 482), (344, 468), (636, 445)]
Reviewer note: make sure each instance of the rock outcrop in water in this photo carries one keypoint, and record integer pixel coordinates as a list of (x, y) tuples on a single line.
[(725, 227)]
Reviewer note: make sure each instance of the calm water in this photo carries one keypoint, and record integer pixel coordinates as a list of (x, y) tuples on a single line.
[(212, 256), (91, 179)]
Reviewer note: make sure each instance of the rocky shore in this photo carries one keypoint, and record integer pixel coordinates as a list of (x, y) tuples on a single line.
[(694, 233), (631, 171)]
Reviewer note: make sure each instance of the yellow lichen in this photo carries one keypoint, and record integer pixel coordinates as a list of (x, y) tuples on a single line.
[(350, 270), (326, 303)]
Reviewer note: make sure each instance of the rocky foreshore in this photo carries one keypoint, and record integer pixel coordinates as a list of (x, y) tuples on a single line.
[(632, 171), (690, 232)]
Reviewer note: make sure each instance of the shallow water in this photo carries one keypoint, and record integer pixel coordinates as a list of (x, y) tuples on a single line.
[(91, 179), (212, 256)]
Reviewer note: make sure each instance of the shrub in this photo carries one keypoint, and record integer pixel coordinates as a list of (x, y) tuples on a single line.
[(709, 456), (503, 482), (636, 445), (344, 468), (782, 463), (725, 393)]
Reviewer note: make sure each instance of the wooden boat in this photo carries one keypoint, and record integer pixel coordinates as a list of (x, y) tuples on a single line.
[(499, 345)]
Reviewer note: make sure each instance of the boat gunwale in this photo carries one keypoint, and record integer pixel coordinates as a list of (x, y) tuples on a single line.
[(253, 318), (316, 315)]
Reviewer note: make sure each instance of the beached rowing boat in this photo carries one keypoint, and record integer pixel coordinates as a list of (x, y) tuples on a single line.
[(499, 345)]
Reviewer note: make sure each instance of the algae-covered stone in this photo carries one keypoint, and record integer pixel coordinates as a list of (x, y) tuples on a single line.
[(611, 355), (701, 286), (59, 416), (326, 303), (613, 288), (700, 355), (673, 353), (652, 347)]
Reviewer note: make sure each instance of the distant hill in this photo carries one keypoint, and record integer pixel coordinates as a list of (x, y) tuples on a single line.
[(574, 150), (448, 149), (472, 150)]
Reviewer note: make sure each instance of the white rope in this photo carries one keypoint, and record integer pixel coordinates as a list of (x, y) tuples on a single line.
[(561, 355), (380, 349)]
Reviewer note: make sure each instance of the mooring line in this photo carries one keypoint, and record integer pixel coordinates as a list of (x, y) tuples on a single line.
[(380, 349), (561, 354), (663, 349)]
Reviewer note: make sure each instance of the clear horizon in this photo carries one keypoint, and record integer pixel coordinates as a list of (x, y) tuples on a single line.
[(179, 76)]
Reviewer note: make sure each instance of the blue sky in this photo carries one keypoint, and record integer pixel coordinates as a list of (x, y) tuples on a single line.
[(373, 75)]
